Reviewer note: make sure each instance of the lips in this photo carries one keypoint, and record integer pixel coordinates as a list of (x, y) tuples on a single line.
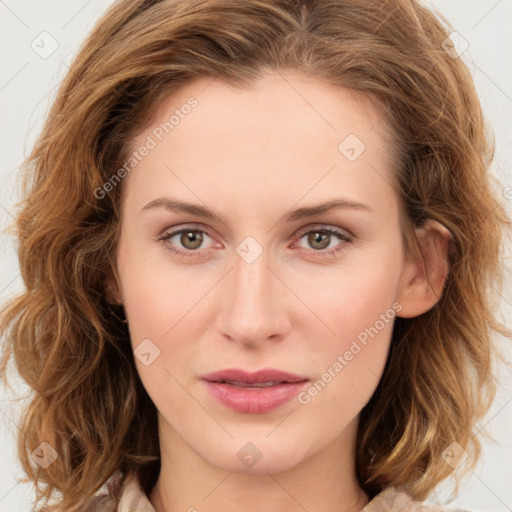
[(254, 393), (262, 378)]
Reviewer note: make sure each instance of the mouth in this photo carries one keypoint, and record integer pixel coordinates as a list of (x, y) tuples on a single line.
[(241, 384), (261, 378), (254, 393)]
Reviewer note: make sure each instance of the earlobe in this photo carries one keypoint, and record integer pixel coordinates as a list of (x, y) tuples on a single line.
[(112, 294), (424, 277)]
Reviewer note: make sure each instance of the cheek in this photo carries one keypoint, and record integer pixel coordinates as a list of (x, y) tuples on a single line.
[(171, 317), (157, 292), (352, 362), (353, 297), (162, 338), (359, 307), (165, 307)]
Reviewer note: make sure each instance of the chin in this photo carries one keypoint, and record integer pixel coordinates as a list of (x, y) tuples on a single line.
[(255, 457)]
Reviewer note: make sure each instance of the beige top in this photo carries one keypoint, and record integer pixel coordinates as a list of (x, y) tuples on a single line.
[(134, 499)]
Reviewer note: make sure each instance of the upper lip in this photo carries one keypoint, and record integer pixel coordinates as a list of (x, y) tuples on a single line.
[(265, 375)]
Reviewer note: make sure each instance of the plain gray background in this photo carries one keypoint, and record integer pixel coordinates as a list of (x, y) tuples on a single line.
[(30, 72)]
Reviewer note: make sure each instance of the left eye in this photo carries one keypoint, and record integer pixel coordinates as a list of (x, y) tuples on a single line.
[(319, 237), (191, 240)]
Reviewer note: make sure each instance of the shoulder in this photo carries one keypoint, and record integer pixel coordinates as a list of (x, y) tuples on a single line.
[(392, 499), (120, 493)]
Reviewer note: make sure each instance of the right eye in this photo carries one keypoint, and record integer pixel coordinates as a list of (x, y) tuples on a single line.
[(189, 238)]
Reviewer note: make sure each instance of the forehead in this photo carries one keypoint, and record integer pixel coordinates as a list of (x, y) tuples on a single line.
[(286, 133), (277, 99)]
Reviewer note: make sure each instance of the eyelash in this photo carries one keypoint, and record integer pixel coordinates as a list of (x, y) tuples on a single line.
[(343, 236)]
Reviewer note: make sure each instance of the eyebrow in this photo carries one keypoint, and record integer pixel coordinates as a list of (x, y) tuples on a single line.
[(300, 213)]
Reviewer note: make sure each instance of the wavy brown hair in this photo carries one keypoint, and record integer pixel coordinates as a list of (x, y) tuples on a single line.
[(68, 342)]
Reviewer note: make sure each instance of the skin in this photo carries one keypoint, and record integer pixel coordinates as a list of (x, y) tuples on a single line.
[(251, 155)]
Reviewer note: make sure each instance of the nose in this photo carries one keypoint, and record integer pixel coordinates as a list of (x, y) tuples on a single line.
[(253, 303)]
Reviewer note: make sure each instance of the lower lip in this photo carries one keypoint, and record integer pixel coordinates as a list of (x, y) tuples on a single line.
[(254, 400)]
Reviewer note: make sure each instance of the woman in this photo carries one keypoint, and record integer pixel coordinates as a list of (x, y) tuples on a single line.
[(258, 241)]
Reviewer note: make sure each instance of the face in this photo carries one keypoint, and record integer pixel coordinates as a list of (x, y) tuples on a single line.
[(261, 282)]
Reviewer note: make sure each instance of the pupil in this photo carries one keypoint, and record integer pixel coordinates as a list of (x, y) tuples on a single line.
[(194, 238), (317, 237)]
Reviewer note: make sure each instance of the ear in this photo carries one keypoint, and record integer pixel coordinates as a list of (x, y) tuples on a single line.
[(424, 277), (112, 292)]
